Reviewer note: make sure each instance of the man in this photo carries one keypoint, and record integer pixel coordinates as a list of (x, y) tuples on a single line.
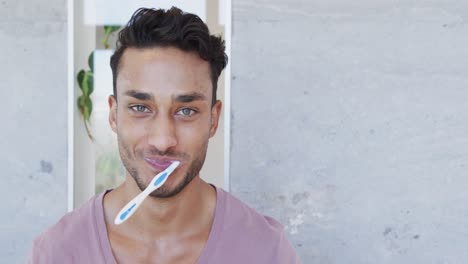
[(164, 108)]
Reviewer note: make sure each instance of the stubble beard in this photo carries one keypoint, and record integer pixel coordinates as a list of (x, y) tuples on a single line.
[(164, 191)]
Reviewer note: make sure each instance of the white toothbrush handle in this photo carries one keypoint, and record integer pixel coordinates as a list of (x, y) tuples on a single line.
[(130, 207)]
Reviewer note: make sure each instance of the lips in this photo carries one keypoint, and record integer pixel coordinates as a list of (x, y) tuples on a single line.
[(159, 163)]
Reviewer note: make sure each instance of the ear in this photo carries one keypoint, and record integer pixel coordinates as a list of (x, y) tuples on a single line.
[(215, 114), (112, 113)]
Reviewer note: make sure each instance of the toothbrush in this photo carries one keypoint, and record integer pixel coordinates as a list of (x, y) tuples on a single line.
[(157, 182)]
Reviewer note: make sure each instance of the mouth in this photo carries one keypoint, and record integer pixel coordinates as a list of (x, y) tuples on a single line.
[(159, 164)]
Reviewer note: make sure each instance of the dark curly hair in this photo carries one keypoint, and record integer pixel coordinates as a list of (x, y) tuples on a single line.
[(150, 27)]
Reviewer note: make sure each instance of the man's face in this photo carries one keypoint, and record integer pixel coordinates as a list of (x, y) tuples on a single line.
[(163, 113)]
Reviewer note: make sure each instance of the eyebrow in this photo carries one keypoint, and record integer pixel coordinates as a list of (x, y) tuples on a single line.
[(187, 98), (140, 95), (183, 98)]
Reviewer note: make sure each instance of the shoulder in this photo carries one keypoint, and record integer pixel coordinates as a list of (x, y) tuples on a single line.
[(240, 215), (62, 238), (249, 229)]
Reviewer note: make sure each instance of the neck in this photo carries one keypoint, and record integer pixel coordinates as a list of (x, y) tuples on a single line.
[(184, 214)]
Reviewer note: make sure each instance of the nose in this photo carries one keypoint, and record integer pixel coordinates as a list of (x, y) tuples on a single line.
[(162, 133)]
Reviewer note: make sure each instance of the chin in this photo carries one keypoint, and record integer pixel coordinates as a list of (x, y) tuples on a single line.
[(172, 188), (164, 192)]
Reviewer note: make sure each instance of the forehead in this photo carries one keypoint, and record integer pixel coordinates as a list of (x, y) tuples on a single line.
[(163, 70)]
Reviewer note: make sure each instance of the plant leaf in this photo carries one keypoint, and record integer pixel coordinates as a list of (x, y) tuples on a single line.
[(107, 30), (90, 82), (88, 108), (115, 28), (80, 103), (111, 29), (91, 61), (79, 78), (84, 85), (87, 84)]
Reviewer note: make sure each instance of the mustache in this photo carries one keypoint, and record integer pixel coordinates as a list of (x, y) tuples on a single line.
[(167, 153)]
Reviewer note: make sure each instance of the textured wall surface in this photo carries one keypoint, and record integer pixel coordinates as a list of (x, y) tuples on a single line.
[(33, 134), (350, 126)]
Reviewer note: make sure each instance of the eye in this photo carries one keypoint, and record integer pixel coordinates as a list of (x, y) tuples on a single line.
[(140, 108), (186, 112)]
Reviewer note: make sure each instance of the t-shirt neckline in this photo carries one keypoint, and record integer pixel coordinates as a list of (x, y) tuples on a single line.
[(103, 238)]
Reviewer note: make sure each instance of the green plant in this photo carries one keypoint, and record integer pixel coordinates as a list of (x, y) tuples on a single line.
[(108, 30), (86, 82)]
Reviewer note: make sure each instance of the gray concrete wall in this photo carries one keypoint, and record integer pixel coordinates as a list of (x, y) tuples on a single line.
[(33, 134), (350, 126)]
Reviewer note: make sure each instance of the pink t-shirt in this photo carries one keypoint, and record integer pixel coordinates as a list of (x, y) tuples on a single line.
[(239, 235)]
